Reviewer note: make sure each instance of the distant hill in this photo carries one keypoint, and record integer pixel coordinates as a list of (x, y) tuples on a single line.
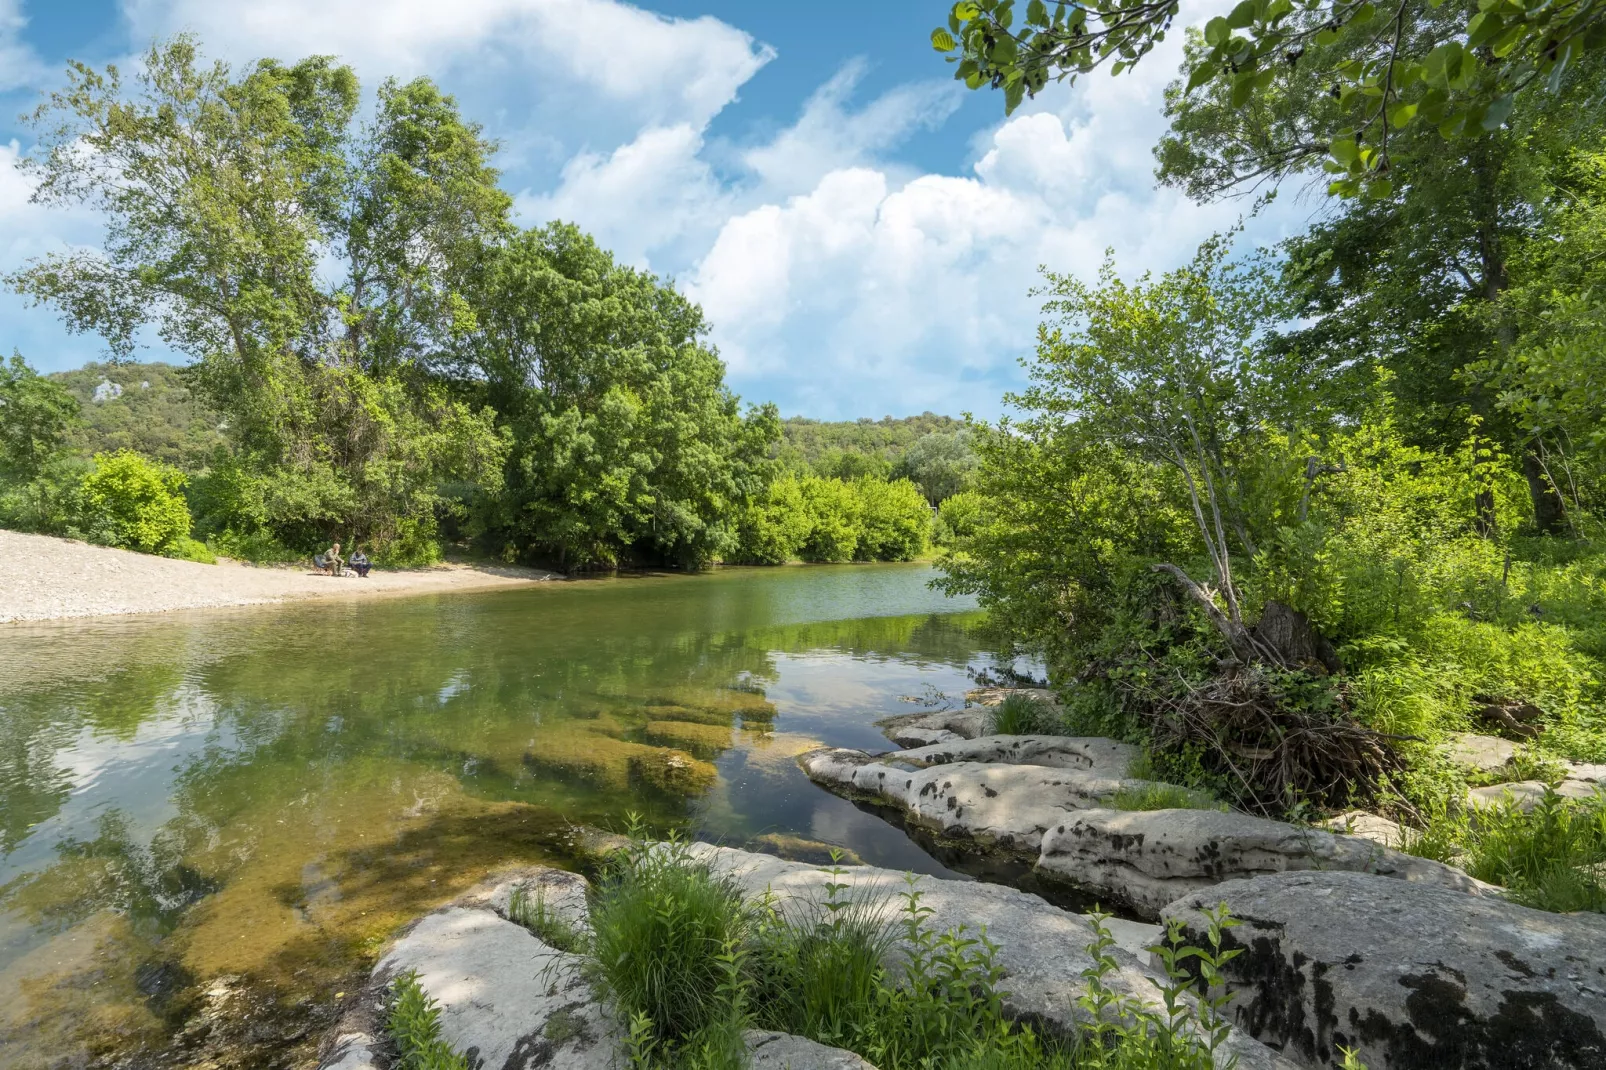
[(818, 442), (144, 407)]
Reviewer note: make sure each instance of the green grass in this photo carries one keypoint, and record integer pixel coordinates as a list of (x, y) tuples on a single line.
[(414, 1024), (533, 913), (689, 963), (1552, 857), (1157, 796), (1021, 715)]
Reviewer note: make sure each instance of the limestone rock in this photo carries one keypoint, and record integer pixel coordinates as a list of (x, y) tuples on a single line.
[(1042, 949), (1102, 757), (1416, 977), (1367, 826), (1144, 859), (994, 696), (1483, 754), (1525, 793), (783, 1051), (1009, 806), (1584, 771), (919, 729)]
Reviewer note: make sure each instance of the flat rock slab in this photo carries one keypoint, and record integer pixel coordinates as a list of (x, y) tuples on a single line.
[(1008, 806), (917, 730), (1088, 754), (1145, 859), (1484, 754), (783, 1051), (1380, 830), (1042, 949), (1413, 976)]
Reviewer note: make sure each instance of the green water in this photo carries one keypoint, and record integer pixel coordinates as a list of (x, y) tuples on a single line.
[(210, 821)]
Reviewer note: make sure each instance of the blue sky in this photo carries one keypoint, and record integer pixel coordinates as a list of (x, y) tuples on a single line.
[(862, 234)]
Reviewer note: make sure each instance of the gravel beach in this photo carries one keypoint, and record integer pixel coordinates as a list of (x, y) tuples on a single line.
[(44, 578)]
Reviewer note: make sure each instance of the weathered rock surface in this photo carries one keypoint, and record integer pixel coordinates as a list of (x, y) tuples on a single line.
[(919, 729), (1145, 859), (1042, 949), (994, 696), (1482, 754), (1055, 819), (1089, 754), (1368, 826), (783, 1051), (1527, 794), (1009, 806), (1416, 977), (506, 999)]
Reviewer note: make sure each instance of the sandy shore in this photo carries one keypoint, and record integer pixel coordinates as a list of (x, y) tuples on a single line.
[(43, 578)]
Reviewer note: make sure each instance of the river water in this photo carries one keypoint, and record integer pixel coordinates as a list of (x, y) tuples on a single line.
[(211, 821)]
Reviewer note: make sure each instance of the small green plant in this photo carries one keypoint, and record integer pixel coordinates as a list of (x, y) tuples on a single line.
[(414, 1024), (533, 913), (1550, 857), (1021, 715), (1158, 796)]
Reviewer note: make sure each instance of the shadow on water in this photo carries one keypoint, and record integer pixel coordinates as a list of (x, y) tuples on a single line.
[(211, 822)]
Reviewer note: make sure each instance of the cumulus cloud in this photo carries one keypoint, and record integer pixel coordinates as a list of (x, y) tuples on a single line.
[(20, 67), (875, 294), (658, 69)]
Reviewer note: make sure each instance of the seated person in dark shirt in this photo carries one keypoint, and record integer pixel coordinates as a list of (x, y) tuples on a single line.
[(359, 561)]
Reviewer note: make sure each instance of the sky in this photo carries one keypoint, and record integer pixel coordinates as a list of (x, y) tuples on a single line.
[(863, 234)]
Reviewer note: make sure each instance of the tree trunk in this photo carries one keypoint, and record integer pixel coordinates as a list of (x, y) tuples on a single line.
[(1236, 635), (1550, 510)]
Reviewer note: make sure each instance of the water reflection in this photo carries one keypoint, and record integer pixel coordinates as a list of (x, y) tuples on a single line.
[(240, 806)]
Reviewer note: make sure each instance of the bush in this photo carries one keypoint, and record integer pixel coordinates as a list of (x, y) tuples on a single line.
[(895, 521), (132, 502), (773, 528), (185, 548), (960, 515), (835, 522)]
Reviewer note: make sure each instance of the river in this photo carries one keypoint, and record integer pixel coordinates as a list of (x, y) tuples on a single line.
[(211, 821)]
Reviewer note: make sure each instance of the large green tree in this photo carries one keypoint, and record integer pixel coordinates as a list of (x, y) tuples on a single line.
[(311, 267)]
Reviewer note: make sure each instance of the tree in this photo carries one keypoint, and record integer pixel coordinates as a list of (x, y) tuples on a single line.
[(626, 441), (894, 518), (1174, 373), (36, 416), (312, 271), (1459, 67), (939, 464)]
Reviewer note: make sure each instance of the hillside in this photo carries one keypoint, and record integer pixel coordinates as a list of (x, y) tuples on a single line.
[(143, 407)]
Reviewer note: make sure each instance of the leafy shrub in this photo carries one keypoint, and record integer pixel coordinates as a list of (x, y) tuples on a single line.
[(130, 501), (1552, 857), (835, 521), (185, 548), (960, 515), (414, 1024), (773, 528), (894, 520)]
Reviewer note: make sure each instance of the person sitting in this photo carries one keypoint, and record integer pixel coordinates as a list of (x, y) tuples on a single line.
[(320, 562), (359, 561), (333, 560)]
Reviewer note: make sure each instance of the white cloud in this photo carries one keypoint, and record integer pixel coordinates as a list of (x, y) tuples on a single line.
[(873, 293), (20, 67), (659, 69)]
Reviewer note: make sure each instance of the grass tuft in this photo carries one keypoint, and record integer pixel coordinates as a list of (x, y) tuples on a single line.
[(533, 913), (1158, 796), (1021, 715)]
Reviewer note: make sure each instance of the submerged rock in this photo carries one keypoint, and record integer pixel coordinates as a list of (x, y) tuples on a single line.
[(1412, 976)]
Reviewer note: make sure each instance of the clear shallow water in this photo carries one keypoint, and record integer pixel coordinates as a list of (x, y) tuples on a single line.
[(222, 815)]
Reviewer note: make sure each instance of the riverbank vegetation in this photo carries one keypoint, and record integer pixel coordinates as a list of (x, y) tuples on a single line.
[(1292, 518), (379, 355), (690, 964)]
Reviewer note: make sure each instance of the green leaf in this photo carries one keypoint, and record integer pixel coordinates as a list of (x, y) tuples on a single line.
[(1242, 87), (1202, 73), (1004, 51), (1499, 109), (1363, 15), (1400, 114), (965, 11), (1037, 13), (1242, 15), (1379, 188), (1012, 96), (1344, 150), (1216, 32), (942, 40)]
